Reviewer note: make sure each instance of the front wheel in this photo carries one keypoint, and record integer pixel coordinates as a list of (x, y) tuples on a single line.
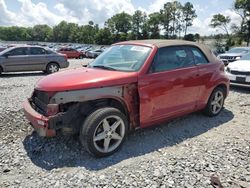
[(52, 68), (104, 131), (215, 102)]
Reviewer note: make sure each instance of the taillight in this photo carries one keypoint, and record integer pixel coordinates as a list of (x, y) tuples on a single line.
[(52, 109)]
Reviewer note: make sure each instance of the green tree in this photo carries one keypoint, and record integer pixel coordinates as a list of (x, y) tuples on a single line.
[(221, 21), (61, 31), (119, 23), (42, 33), (103, 36), (242, 8), (197, 37), (154, 25), (189, 37), (176, 11), (139, 21), (166, 18), (188, 15)]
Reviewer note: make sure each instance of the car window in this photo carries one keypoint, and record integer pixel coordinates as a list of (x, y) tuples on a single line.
[(127, 58), (50, 52), (199, 57), (18, 51), (246, 57), (37, 51), (170, 58)]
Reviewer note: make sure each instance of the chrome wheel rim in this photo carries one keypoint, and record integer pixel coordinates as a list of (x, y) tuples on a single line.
[(53, 68), (109, 134), (217, 102)]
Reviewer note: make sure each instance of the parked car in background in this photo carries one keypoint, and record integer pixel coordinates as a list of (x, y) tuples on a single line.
[(239, 71), (31, 58), (234, 54), (148, 82), (71, 53), (94, 53)]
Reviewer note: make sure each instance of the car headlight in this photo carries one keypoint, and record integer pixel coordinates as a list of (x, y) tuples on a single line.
[(237, 58)]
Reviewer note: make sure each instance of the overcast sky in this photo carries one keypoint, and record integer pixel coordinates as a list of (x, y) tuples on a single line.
[(51, 12)]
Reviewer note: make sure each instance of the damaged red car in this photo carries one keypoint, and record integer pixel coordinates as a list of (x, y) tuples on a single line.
[(134, 84)]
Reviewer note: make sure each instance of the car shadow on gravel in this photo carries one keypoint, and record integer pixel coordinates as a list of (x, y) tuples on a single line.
[(240, 89), (26, 74), (59, 152)]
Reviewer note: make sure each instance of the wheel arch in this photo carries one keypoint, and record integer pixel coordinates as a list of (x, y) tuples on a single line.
[(220, 85), (52, 62)]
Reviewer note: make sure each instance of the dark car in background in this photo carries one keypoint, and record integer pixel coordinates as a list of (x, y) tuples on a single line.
[(71, 53), (31, 58), (94, 53), (233, 54)]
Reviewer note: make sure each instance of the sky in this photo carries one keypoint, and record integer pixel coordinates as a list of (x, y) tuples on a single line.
[(31, 12)]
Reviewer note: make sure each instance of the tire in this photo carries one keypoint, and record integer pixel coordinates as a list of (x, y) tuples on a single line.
[(1, 70), (215, 103), (52, 68), (81, 57), (103, 131)]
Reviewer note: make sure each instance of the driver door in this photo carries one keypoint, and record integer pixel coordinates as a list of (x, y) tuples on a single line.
[(170, 88)]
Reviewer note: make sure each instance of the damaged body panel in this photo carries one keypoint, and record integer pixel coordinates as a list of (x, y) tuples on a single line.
[(75, 105)]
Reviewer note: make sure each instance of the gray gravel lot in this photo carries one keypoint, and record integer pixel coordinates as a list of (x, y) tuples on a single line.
[(183, 153)]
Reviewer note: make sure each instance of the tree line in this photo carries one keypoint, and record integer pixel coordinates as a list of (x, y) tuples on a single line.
[(235, 35), (171, 22)]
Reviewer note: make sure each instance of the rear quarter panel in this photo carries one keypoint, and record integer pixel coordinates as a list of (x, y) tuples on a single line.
[(62, 61), (212, 75)]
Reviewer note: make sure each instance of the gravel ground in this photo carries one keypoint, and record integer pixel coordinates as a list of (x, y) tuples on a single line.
[(186, 152)]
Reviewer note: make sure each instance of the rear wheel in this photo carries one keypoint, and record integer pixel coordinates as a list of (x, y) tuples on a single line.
[(104, 131), (215, 102), (52, 68)]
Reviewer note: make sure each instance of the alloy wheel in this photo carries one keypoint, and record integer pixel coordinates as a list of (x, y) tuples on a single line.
[(109, 134), (217, 102)]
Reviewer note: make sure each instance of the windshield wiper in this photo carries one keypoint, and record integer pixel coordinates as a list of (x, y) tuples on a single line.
[(103, 67)]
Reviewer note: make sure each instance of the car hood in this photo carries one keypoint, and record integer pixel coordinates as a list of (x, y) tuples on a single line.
[(84, 78), (240, 65), (231, 54)]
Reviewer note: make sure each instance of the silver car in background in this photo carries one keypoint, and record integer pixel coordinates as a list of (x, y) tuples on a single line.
[(31, 58), (233, 54)]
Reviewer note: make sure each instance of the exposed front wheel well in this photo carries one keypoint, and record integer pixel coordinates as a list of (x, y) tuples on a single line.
[(76, 112)]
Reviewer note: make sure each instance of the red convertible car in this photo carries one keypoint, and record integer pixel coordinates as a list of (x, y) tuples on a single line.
[(133, 84)]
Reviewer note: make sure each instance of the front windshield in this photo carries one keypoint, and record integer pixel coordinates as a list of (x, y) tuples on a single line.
[(122, 58), (245, 57), (238, 50)]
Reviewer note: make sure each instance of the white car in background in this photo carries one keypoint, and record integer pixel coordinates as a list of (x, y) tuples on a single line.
[(239, 71)]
